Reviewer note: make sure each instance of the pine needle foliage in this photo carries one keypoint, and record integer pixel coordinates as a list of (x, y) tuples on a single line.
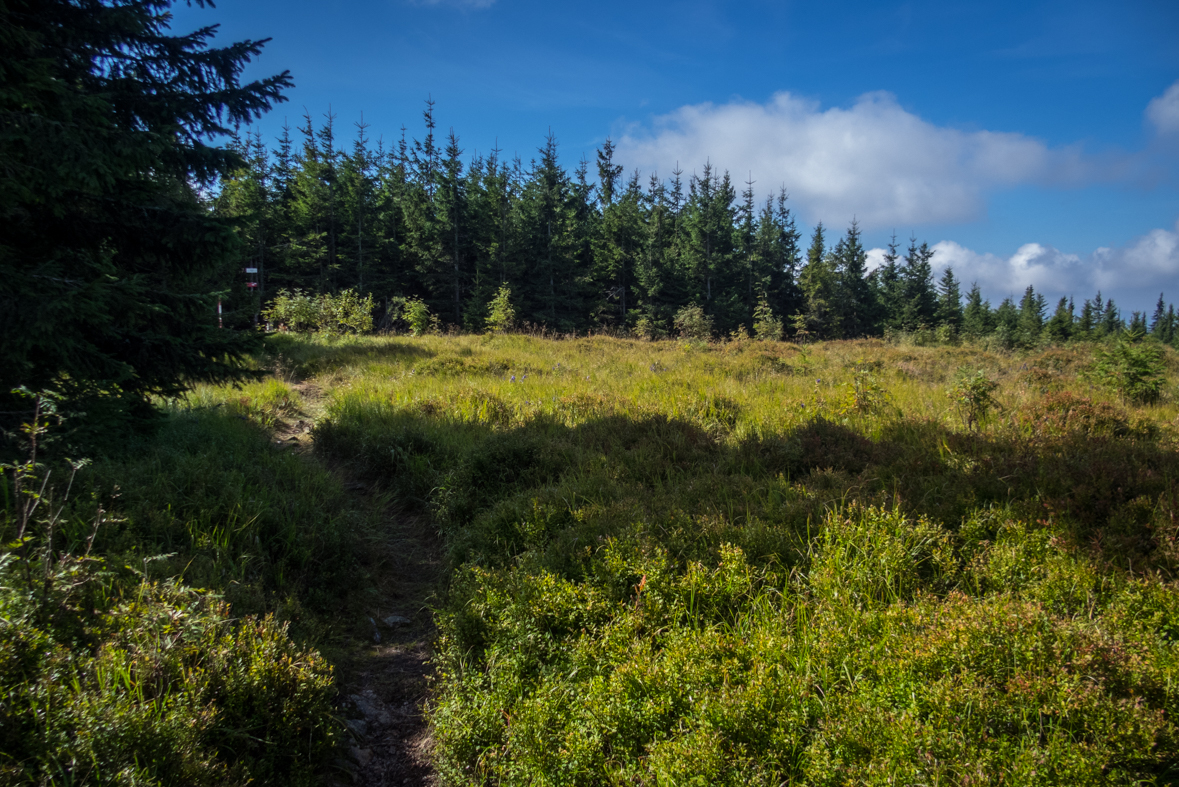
[(110, 259)]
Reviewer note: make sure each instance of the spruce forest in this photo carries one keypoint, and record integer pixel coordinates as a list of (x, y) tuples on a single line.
[(600, 249)]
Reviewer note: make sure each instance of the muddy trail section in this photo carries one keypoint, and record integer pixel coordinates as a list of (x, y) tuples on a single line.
[(382, 659)]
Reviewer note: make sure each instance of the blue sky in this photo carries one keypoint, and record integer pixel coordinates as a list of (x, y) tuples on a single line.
[(1032, 142)]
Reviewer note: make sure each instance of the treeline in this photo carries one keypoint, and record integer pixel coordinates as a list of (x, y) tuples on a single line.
[(418, 221)]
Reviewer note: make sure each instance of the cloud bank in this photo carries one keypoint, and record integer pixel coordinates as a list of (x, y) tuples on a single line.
[(1130, 274), (873, 160)]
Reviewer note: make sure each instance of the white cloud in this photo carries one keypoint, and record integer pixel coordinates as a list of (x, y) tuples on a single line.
[(1133, 275), (1049, 270), (1163, 111), (876, 161)]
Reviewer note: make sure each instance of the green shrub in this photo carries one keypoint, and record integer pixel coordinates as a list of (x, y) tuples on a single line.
[(109, 678), (865, 395), (766, 326), (421, 321), (159, 685), (649, 328), (973, 395), (501, 316), (344, 312), (693, 324), (1133, 367)]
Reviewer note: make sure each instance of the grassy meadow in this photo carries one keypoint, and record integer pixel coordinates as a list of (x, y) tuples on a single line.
[(667, 563), (765, 563)]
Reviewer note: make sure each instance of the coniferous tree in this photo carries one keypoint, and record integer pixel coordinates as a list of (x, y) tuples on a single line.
[(282, 178), (586, 230), (888, 285), (450, 209), (1088, 319), (493, 189), (608, 173), (774, 257), (977, 319), (329, 173), (855, 305), (919, 300), (553, 286), (618, 246), (1159, 325), (389, 273), (818, 282), (949, 303), (1007, 323), (311, 258), (709, 247), (1031, 317), (1060, 326), (358, 190), (660, 282), (747, 216), (247, 195), (1111, 319), (109, 254)]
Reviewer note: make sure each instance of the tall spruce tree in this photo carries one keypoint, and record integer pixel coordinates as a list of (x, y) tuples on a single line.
[(855, 303), (358, 196), (1060, 326), (1111, 319), (108, 252), (450, 207), (1032, 308), (311, 259), (608, 173), (1158, 321), (1007, 323), (618, 245), (554, 276), (248, 195), (493, 194), (949, 303), (710, 247), (888, 285), (1087, 321), (977, 318), (774, 257), (819, 283), (918, 300)]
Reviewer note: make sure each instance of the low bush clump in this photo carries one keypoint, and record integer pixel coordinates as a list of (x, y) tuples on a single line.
[(113, 670), (150, 683), (341, 313)]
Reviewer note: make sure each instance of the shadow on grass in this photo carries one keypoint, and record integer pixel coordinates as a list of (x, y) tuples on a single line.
[(300, 357), (498, 491)]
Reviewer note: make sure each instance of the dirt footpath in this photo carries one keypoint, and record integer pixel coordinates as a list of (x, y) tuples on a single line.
[(382, 666)]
